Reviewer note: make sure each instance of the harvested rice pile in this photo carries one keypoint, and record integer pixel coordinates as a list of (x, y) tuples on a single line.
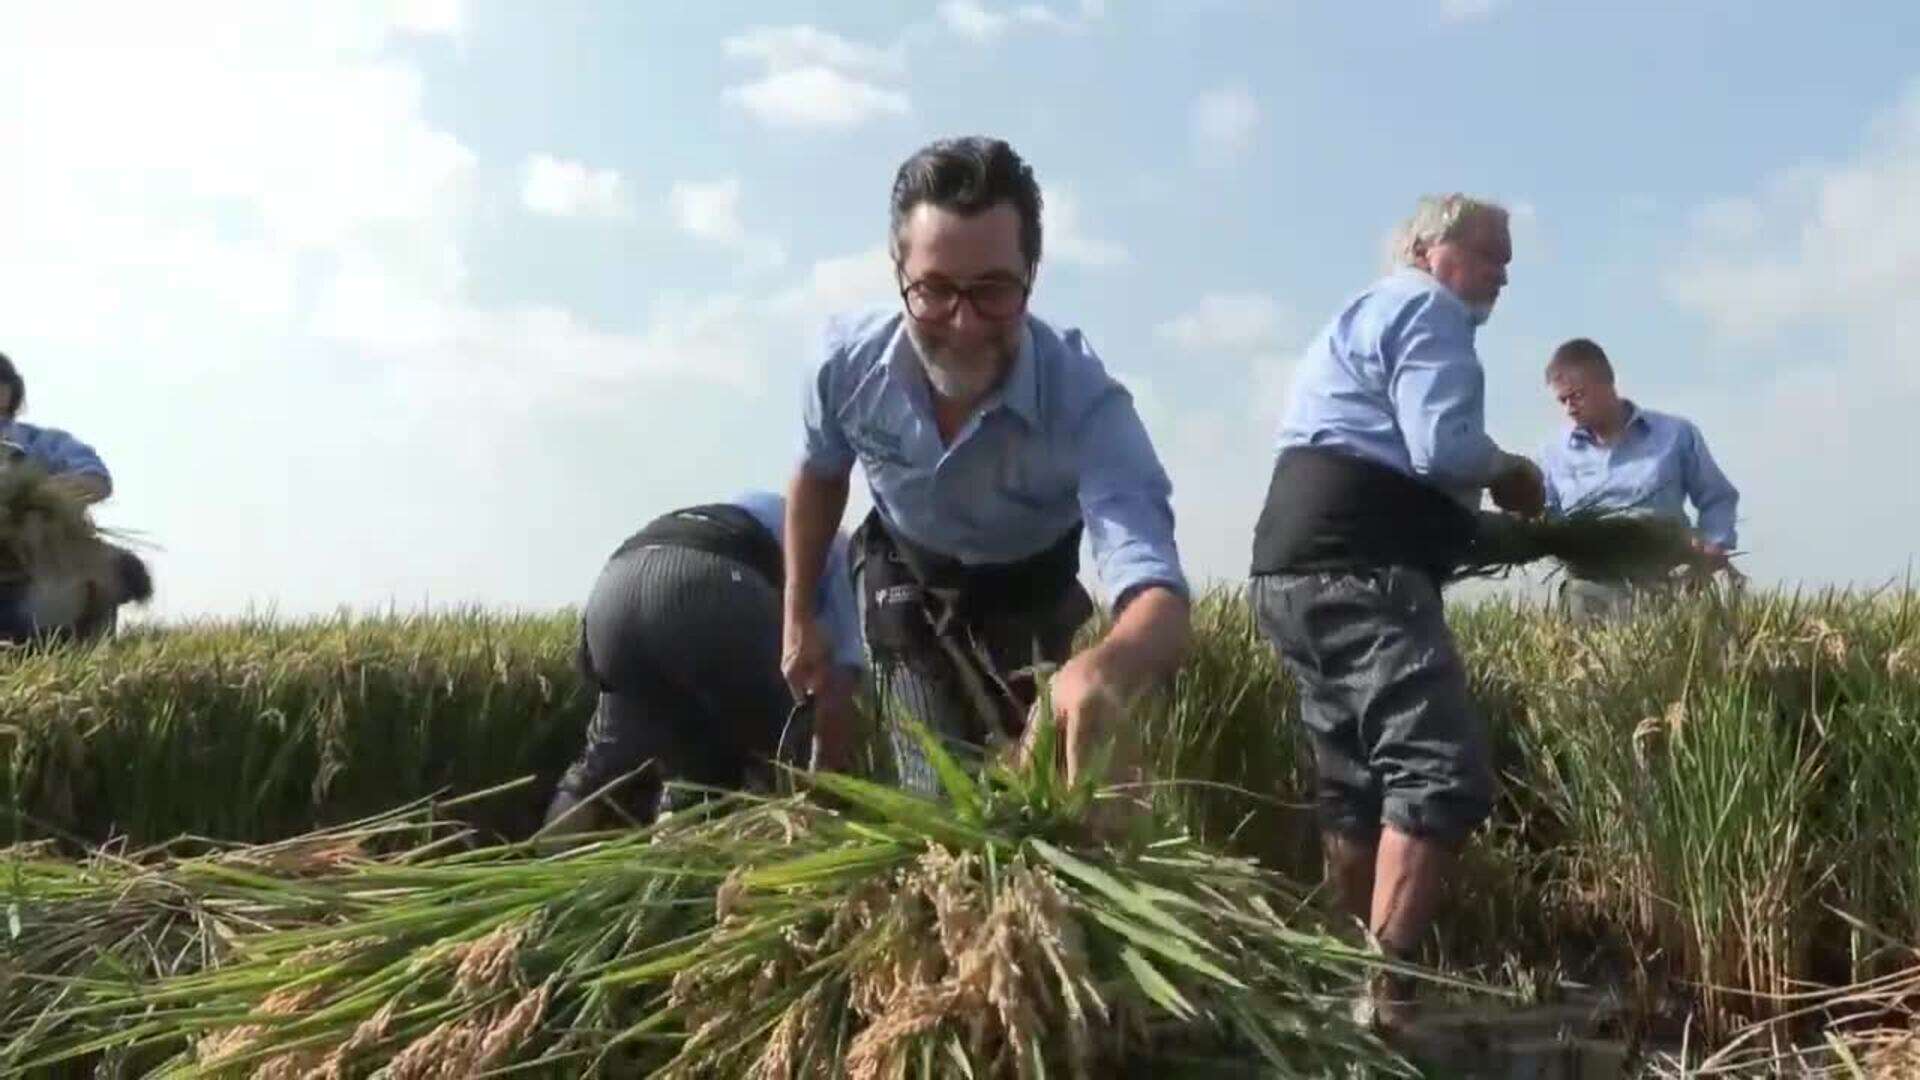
[(42, 526), (855, 930)]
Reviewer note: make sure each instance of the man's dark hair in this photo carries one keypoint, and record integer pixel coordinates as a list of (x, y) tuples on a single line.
[(969, 176), (10, 377), (1580, 354)]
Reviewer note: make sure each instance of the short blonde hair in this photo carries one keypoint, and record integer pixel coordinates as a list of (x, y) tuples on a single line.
[(1437, 219)]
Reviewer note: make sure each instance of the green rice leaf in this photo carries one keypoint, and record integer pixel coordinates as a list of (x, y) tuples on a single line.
[(1155, 985)]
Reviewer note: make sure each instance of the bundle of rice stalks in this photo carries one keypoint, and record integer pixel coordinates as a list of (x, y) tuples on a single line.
[(43, 526), (1596, 544), (126, 918), (856, 930)]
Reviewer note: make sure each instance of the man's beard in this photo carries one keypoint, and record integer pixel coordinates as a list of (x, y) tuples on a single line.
[(964, 385)]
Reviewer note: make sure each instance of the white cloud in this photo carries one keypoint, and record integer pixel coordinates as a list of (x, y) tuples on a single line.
[(711, 212), (840, 284), (1224, 123), (814, 80), (430, 18), (569, 189), (271, 235), (786, 48), (1466, 10), (979, 22), (1817, 242), (1065, 237), (1811, 285), (1226, 322), (816, 98)]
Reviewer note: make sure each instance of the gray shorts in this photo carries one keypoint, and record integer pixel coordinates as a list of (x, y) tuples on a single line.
[(1590, 600), (1383, 695)]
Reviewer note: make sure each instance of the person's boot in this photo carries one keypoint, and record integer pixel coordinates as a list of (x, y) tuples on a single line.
[(1386, 1006)]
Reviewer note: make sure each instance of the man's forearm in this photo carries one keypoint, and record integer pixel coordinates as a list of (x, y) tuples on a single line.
[(815, 504), (1149, 639), (1716, 521)]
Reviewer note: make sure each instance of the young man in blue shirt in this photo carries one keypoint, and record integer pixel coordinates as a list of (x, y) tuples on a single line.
[(1620, 458), (990, 440)]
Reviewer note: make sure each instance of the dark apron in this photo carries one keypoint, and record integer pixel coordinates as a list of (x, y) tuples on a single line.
[(999, 627)]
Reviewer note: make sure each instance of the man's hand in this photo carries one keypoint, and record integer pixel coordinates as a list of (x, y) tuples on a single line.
[(1519, 488), (1090, 712), (1089, 709), (1709, 556), (833, 716), (806, 661)]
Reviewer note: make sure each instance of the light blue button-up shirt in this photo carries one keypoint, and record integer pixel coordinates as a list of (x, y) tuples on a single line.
[(1394, 379), (834, 605), (1058, 443), (55, 449), (1657, 465)]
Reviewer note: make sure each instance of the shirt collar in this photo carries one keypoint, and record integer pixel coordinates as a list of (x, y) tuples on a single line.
[(1428, 279), (1635, 419), (1019, 392)]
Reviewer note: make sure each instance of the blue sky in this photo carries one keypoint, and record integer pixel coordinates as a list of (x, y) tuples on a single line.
[(435, 301)]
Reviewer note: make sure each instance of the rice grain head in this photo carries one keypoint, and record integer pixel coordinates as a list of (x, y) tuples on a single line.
[(513, 1028), (487, 963)]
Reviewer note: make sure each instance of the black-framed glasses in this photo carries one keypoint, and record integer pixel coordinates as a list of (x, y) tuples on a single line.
[(993, 298)]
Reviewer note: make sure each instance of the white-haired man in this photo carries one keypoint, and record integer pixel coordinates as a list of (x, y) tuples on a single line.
[(1382, 458)]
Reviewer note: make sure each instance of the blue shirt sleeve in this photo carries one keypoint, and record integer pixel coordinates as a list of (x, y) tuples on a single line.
[(826, 450), (62, 453), (1712, 494), (1548, 466), (838, 610), (1126, 501), (1439, 398)]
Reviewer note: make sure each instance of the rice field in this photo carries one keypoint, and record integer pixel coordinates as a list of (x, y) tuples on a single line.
[(1712, 811)]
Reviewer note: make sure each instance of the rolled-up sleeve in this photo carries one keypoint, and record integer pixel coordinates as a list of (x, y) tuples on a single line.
[(1126, 501), (825, 450), (1439, 398), (62, 453), (1712, 494)]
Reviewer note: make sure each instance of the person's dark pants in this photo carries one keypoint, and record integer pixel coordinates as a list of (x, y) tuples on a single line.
[(16, 623), (1383, 695), (685, 649), (962, 699)]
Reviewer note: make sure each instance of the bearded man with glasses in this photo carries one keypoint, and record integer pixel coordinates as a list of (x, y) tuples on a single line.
[(990, 441)]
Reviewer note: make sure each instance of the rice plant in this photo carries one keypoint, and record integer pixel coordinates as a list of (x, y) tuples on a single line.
[(1719, 798)]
